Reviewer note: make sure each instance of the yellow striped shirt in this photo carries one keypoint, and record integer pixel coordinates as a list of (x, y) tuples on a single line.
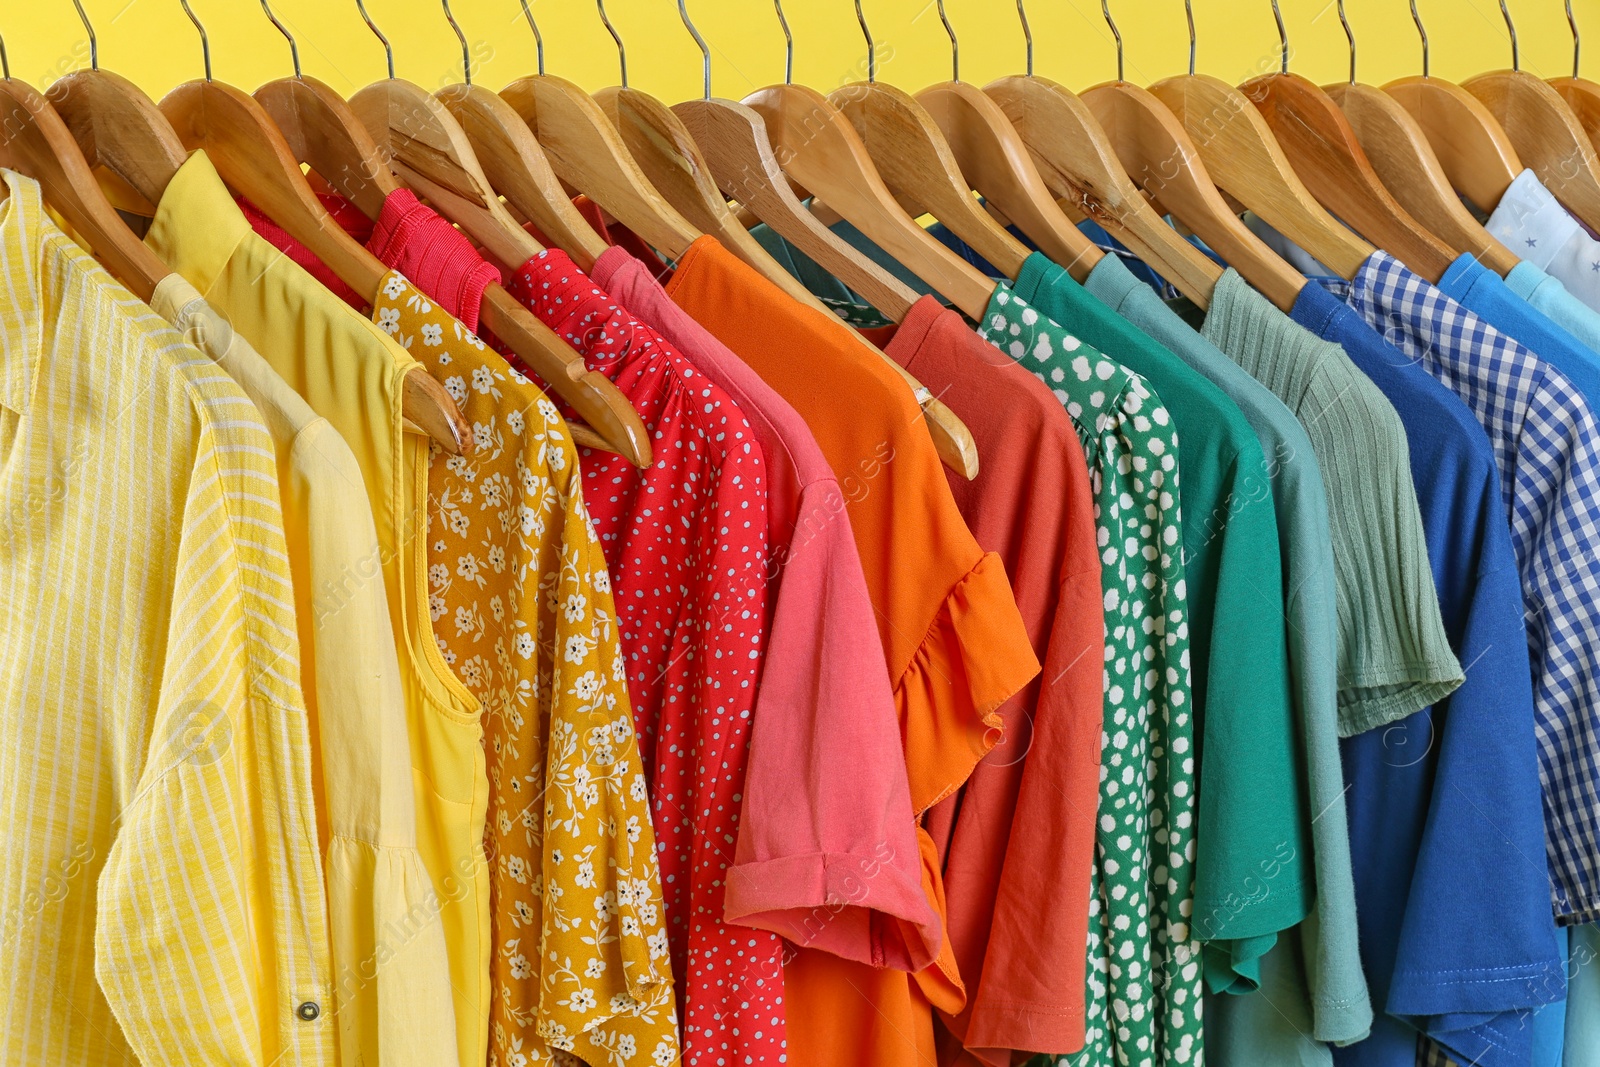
[(161, 899)]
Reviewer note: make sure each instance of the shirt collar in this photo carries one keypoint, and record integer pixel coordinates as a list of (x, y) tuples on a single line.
[(197, 226), (23, 229)]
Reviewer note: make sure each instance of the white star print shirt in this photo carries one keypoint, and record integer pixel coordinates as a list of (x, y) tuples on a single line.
[(1533, 224)]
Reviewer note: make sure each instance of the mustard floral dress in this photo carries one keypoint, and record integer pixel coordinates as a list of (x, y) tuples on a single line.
[(522, 609)]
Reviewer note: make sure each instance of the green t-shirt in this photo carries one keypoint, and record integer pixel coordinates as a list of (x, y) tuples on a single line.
[(1394, 657), (1312, 985), (1143, 1002), (1253, 873)]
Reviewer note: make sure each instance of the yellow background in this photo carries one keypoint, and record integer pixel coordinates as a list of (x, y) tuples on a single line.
[(153, 43)]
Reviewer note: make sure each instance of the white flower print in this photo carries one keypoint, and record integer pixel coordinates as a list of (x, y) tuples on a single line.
[(394, 287), (438, 574), (525, 646), (601, 580), (515, 422), (664, 1054), (517, 868), (575, 606), (436, 607), (520, 967), (456, 386), (389, 320), (482, 379), (497, 559), (658, 944), (577, 648), (586, 686), (432, 335), (594, 968), (582, 1000), (547, 411)]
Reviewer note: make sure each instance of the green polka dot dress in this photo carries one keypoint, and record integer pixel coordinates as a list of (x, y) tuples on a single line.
[(1143, 1003)]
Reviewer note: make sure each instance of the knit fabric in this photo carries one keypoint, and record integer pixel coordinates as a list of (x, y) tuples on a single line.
[(1398, 658)]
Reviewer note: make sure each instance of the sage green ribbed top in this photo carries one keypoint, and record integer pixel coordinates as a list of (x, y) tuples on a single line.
[(1394, 658)]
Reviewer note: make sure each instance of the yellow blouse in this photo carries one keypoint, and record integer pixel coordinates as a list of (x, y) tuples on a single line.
[(400, 1013), (161, 900), (519, 591), (351, 373)]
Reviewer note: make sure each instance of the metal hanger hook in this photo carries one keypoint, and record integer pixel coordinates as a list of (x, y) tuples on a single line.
[(94, 44), (622, 52), (705, 49), (1283, 38), (1511, 28), (1350, 36), (872, 46), (955, 45), (388, 49), (5, 63), (294, 49), (1422, 31), (1577, 43), (466, 53), (1027, 34), (538, 38), (788, 42), (1188, 13), (205, 42), (1105, 10)]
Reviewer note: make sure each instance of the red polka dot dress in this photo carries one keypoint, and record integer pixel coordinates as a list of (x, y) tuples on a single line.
[(686, 544)]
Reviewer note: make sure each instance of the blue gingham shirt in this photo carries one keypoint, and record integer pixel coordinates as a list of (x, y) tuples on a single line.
[(1547, 444)]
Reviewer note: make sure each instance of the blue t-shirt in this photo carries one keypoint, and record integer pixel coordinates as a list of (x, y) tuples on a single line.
[(1485, 294), (1449, 798)]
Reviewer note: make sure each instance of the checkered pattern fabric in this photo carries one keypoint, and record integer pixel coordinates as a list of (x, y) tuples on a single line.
[(1547, 443)]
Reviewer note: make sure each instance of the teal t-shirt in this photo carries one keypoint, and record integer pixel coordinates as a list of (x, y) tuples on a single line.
[(1143, 998), (1253, 872), (1312, 985)]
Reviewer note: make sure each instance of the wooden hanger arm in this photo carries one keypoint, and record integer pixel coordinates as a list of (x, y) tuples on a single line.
[(1547, 136), (587, 152), (1242, 154), (516, 167), (37, 143), (1158, 155), (120, 128), (1318, 142), (917, 165), (1583, 97), (1400, 153), (1475, 153), (826, 156), (322, 132)]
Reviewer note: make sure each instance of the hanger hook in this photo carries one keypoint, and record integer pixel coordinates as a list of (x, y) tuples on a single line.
[(205, 42), (1105, 10), (1027, 34), (388, 49), (705, 50), (1422, 31), (1188, 13), (872, 46), (1283, 38), (538, 38), (466, 53), (294, 49), (94, 45), (1350, 36), (1572, 24), (1511, 28), (622, 52), (788, 43), (5, 63), (955, 45)]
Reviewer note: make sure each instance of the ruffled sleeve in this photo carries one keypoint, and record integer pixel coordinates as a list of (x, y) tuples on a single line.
[(974, 656)]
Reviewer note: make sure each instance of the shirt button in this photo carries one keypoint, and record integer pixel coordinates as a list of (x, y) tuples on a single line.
[(309, 1010)]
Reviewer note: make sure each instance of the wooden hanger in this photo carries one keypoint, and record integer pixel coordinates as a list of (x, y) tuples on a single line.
[(1318, 142), (1158, 155), (1244, 158), (251, 156), (587, 153), (117, 126), (1473, 149), (1034, 117), (1400, 153), (733, 140), (1547, 135), (37, 143), (429, 151), (1581, 94), (915, 162)]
